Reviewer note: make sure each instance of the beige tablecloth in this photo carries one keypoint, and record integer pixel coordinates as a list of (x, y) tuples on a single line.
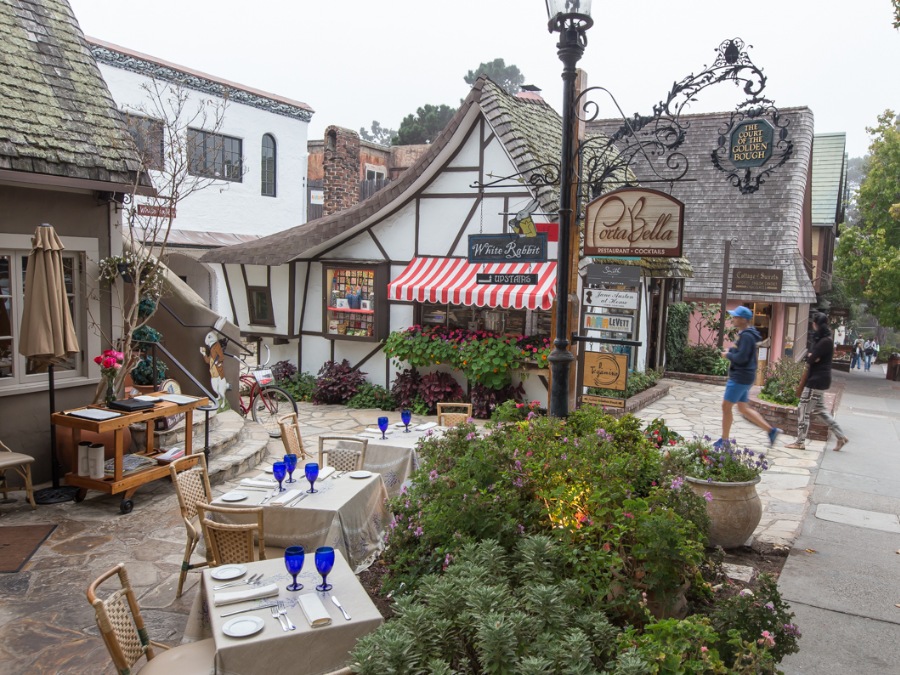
[(395, 457), (349, 514), (273, 651)]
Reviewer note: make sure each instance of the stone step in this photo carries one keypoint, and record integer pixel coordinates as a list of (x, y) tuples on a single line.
[(247, 447)]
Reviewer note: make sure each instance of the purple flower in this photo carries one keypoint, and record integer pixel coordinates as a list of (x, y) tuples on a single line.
[(677, 482), (419, 532), (433, 475), (707, 496)]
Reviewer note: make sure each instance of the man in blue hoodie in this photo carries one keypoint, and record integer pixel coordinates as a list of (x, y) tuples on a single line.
[(741, 375)]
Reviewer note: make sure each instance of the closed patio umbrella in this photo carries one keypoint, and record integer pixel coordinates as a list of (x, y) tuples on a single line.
[(48, 334)]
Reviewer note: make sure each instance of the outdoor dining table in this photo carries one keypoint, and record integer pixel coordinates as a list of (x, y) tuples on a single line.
[(307, 650), (395, 457), (349, 514)]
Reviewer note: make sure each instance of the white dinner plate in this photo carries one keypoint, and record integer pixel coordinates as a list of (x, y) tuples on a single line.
[(233, 497), (226, 572), (267, 469), (359, 474), (243, 626)]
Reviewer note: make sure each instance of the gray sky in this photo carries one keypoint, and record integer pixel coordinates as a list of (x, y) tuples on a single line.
[(358, 60)]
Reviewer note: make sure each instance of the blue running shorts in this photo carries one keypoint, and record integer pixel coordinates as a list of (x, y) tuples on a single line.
[(737, 393)]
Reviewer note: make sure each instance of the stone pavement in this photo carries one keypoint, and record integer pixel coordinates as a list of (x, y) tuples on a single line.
[(47, 626)]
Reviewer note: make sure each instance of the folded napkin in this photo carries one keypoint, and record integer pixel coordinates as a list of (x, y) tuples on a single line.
[(252, 593), (260, 482), (284, 498), (325, 472), (314, 610), (426, 426)]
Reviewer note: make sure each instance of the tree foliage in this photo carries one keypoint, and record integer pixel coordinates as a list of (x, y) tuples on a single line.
[(509, 77), (868, 254), (425, 125), (378, 134)]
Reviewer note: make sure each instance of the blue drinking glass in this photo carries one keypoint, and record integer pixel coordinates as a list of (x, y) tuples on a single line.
[(406, 418), (279, 470), (324, 563), (290, 462), (293, 561), (312, 472), (383, 425)]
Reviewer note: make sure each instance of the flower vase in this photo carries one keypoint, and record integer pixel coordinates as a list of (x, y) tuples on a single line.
[(734, 510), (110, 392)]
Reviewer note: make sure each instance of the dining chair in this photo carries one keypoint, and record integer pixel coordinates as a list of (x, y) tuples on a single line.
[(232, 543), (192, 488), (21, 464), (122, 627), (451, 414), (291, 437), (344, 453)]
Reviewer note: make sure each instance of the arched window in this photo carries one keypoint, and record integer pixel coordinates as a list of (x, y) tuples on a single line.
[(267, 171)]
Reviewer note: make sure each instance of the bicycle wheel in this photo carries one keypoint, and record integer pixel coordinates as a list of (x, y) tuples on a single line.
[(269, 406)]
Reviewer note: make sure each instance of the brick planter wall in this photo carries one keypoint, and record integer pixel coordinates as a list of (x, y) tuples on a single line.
[(785, 417), (642, 400), (693, 377)]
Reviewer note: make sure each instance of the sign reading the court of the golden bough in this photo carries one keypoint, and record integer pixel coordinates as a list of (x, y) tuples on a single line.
[(634, 222)]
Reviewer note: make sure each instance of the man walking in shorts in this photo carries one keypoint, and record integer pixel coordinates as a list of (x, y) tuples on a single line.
[(741, 375)]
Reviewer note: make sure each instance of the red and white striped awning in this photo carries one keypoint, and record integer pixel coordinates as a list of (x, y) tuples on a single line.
[(452, 281)]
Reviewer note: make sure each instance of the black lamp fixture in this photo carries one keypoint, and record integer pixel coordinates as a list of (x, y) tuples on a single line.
[(571, 19)]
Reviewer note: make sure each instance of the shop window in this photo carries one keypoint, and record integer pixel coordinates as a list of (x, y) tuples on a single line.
[(493, 319), (762, 317), (259, 303), (356, 302), (267, 170)]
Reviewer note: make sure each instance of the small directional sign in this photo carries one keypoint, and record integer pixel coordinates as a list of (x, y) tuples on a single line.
[(517, 279)]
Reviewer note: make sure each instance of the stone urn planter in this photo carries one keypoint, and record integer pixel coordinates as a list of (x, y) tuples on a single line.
[(734, 512)]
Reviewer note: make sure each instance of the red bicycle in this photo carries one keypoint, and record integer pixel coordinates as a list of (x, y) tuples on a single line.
[(266, 402)]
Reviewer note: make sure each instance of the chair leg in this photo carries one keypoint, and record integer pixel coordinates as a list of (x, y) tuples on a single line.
[(186, 563), (29, 488)]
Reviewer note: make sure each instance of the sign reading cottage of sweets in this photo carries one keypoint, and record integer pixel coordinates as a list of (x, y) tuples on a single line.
[(634, 222)]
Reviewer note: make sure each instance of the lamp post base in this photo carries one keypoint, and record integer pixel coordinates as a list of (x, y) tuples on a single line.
[(56, 495)]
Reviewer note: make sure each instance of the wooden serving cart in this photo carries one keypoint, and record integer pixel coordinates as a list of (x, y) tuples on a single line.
[(119, 482)]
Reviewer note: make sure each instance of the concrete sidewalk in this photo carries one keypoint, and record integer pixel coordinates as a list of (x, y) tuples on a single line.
[(842, 577)]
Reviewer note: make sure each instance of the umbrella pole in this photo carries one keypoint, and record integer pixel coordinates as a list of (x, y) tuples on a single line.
[(56, 494)]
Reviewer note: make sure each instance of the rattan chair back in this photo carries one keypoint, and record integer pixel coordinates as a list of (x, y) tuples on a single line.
[(344, 453), (233, 543), (191, 488), (451, 414), (291, 437)]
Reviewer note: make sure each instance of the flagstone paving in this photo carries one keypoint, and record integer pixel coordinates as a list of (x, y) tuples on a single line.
[(47, 626)]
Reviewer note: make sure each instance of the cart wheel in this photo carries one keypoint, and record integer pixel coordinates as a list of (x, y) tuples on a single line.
[(126, 506), (80, 495)]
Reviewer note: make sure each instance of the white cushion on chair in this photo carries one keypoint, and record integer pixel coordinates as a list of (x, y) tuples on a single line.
[(195, 658), (10, 459)]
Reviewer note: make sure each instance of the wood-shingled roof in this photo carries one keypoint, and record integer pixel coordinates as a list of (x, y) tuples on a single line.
[(829, 176), (57, 117), (765, 227)]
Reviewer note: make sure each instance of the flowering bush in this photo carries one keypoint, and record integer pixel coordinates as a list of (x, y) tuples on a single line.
[(516, 411), (699, 458), (658, 433)]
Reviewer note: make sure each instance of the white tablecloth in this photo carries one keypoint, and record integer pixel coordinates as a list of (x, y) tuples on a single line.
[(273, 651), (395, 457), (349, 514)]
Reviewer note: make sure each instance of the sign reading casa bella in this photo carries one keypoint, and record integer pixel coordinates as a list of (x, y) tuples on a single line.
[(490, 248), (751, 144), (756, 280), (634, 222)]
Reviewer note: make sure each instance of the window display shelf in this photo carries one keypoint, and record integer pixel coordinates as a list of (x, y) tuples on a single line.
[(351, 311)]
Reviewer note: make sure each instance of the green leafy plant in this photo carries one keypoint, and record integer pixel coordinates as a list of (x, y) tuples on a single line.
[(283, 370), (142, 373), (677, 330), (300, 386), (337, 382), (372, 396), (658, 433), (516, 411), (485, 399), (701, 360), (782, 379), (727, 463), (635, 384)]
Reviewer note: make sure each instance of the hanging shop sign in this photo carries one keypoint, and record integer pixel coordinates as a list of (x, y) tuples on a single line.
[(490, 248), (596, 297), (604, 370), (612, 322), (753, 143), (156, 211), (839, 313), (634, 222), (623, 275), (508, 279), (756, 280)]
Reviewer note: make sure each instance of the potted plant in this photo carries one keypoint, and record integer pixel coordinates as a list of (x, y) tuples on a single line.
[(142, 375), (726, 477)]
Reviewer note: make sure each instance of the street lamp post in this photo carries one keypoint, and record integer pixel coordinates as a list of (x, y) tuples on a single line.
[(571, 19)]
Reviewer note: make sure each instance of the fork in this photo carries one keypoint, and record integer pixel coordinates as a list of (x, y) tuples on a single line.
[(282, 611), (252, 579), (277, 615)]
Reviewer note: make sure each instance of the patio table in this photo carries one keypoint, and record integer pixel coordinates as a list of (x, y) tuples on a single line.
[(395, 457)]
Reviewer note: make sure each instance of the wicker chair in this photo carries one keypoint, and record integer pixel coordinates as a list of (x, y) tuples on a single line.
[(122, 627), (21, 464), (229, 543), (344, 453), (192, 488), (290, 436), (451, 414)]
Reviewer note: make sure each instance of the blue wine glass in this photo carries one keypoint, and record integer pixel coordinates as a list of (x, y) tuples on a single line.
[(312, 472), (383, 425), (290, 461), (293, 561), (279, 470), (406, 418), (324, 563)]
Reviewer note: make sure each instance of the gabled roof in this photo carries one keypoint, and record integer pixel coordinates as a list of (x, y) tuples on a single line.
[(57, 118), (829, 173), (765, 227)]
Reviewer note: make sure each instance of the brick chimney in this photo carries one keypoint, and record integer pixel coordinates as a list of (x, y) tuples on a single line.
[(341, 169)]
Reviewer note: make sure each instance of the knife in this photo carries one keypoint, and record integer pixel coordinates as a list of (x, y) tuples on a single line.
[(340, 607), (249, 609)]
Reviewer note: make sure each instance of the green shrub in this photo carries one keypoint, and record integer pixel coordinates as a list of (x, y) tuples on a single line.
[(636, 383), (701, 360), (142, 373), (677, 330), (782, 379), (372, 396), (299, 385)]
